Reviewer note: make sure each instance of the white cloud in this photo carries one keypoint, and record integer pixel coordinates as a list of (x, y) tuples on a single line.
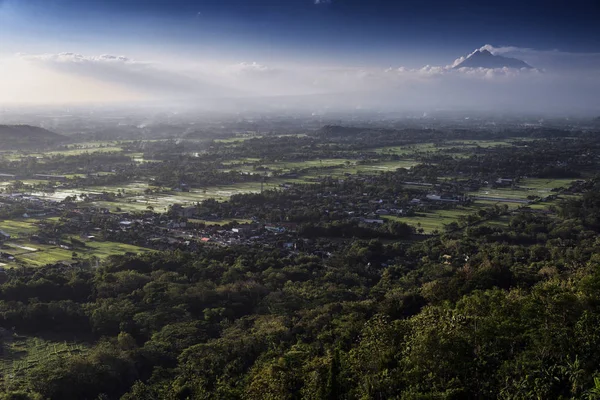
[(514, 49), (250, 68), (76, 58), (126, 77), (435, 72), (457, 61), (250, 78), (505, 49), (549, 59), (142, 77)]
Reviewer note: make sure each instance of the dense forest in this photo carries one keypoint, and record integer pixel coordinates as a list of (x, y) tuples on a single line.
[(479, 312)]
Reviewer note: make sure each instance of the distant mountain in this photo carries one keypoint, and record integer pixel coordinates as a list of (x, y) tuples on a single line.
[(15, 136), (485, 59)]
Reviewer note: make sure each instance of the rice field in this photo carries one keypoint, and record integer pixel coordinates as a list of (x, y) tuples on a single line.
[(431, 221), (320, 163), (545, 184), (35, 254), (19, 227), (436, 220), (507, 193), (436, 147)]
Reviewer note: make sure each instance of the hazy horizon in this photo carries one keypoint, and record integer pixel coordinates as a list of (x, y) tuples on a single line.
[(310, 54)]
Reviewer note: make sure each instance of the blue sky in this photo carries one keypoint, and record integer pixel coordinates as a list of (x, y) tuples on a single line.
[(353, 32), (396, 51)]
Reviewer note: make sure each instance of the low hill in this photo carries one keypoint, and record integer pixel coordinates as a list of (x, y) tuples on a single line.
[(15, 136)]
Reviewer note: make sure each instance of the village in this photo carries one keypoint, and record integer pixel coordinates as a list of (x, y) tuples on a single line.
[(69, 230)]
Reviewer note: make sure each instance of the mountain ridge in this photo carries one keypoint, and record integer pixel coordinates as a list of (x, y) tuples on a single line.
[(485, 59)]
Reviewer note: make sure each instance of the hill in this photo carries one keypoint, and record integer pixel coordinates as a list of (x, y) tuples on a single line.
[(485, 59), (15, 136)]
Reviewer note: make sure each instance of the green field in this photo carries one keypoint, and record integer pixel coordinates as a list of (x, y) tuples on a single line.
[(21, 353), (71, 150), (477, 143), (43, 256), (437, 219), (106, 249), (238, 139), (160, 202), (35, 254), (502, 204), (88, 150), (428, 221), (434, 220), (320, 163), (526, 187), (19, 227), (241, 161), (136, 200), (545, 184), (503, 193), (320, 167), (405, 150), (383, 166), (437, 147)]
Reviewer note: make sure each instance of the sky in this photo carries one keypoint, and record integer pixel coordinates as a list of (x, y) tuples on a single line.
[(73, 51)]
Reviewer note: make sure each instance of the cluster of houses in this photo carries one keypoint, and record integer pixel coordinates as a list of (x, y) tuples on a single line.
[(182, 226), (161, 231)]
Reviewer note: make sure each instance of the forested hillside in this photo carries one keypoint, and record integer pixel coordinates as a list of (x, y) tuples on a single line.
[(24, 136), (481, 312)]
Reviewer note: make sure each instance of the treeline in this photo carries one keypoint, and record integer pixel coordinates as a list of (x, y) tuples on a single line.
[(355, 229), (549, 158)]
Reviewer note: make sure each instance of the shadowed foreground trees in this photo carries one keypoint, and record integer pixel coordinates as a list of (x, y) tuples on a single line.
[(484, 312)]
